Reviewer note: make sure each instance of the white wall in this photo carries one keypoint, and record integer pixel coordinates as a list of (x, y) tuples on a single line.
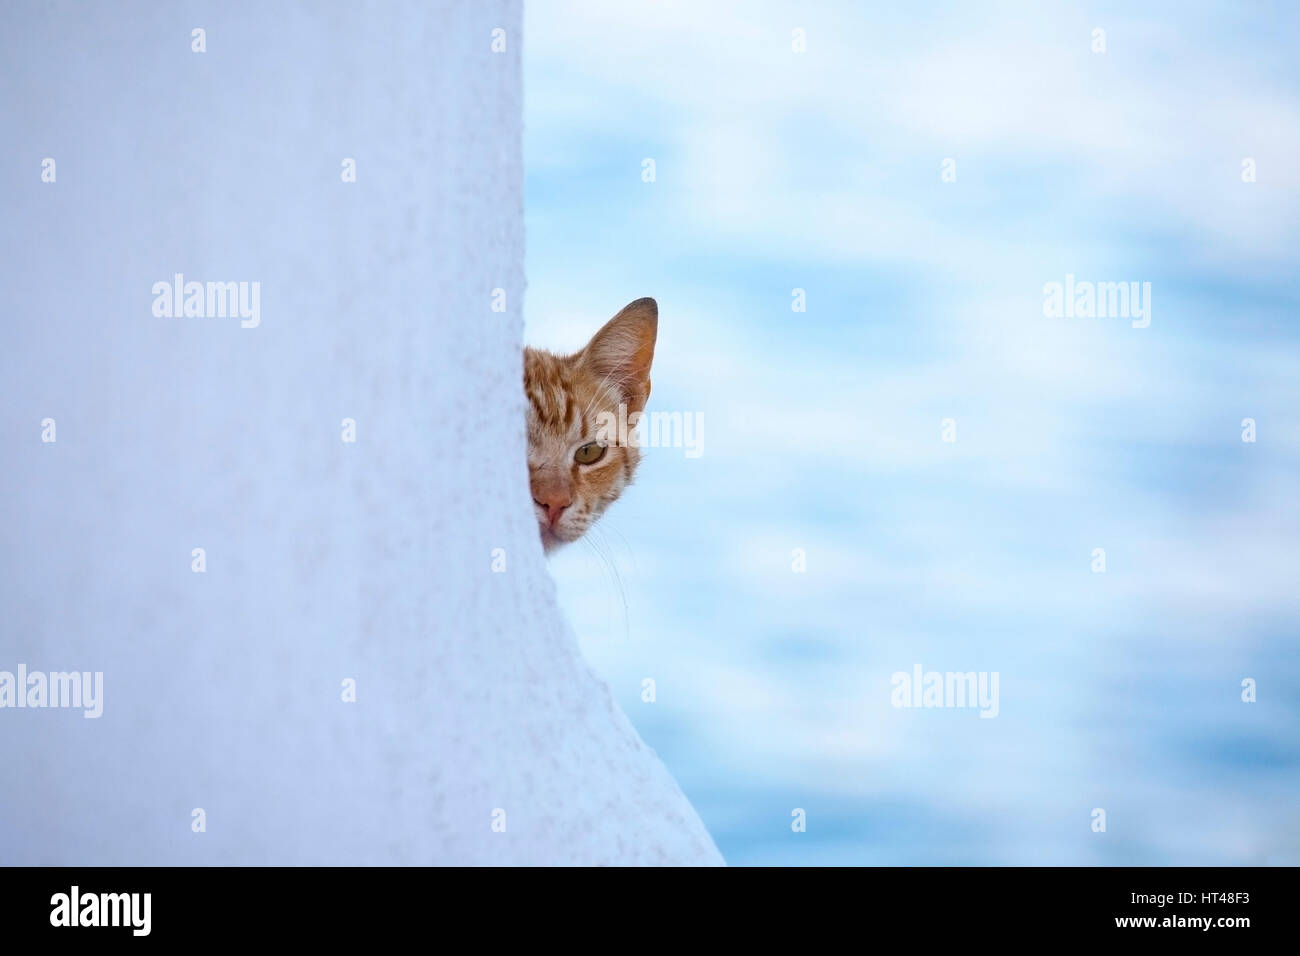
[(324, 560)]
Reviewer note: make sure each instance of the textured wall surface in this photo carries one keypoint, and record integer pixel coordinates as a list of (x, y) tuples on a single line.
[(324, 560)]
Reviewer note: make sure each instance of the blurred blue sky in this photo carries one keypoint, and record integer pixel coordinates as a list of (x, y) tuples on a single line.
[(821, 171)]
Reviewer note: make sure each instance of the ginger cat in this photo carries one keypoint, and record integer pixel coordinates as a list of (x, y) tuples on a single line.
[(576, 468)]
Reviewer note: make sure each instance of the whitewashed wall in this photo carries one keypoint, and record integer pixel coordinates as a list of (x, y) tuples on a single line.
[(325, 560)]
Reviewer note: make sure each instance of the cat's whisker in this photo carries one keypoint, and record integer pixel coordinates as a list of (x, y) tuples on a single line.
[(601, 558), (626, 547), (607, 556)]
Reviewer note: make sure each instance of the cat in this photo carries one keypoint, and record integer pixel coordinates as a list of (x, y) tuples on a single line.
[(576, 468)]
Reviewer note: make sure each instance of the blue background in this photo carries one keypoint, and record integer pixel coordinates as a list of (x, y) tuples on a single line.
[(820, 170)]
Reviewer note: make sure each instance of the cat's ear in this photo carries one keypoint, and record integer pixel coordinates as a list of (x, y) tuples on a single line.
[(621, 352)]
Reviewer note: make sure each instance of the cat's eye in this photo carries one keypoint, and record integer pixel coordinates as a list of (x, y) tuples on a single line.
[(589, 453)]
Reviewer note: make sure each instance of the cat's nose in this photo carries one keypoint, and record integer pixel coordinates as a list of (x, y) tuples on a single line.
[(554, 504)]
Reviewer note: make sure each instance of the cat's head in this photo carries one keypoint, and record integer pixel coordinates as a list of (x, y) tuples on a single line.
[(576, 464)]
